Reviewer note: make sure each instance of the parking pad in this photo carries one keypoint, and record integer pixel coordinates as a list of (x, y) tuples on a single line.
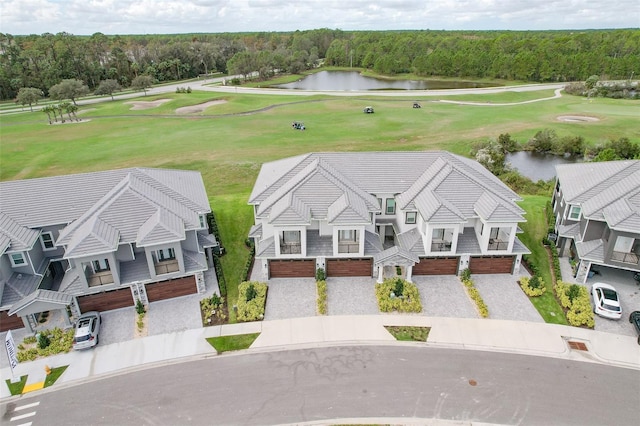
[(444, 296), (290, 298), (351, 296), (504, 298)]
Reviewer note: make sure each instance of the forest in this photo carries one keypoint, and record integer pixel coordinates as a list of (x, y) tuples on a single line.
[(42, 61)]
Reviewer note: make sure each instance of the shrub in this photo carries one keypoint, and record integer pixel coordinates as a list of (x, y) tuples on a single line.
[(466, 274), (321, 288), (320, 274), (575, 299), (140, 307), (246, 272), (533, 287), (250, 293), (43, 341), (409, 301), (399, 287), (251, 309)]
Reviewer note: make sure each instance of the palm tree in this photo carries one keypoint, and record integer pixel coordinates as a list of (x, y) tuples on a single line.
[(47, 110), (71, 109), (59, 107)]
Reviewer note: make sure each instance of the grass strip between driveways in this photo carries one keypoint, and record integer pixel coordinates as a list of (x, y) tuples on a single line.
[(232, 343), (17, 387), (409, 334)]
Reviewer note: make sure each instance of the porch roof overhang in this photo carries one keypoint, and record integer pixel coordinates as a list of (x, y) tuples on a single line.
[(395, 256), (40, 301)]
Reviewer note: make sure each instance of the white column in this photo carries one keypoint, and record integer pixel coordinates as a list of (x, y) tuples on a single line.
[(380, 273), (409, 271)]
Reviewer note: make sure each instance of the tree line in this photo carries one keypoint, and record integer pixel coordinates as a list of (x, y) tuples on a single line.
[(43, 61)]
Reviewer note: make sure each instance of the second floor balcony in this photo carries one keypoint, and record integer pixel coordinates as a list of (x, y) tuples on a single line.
[(167, 266), (290, 248), (631, 258)]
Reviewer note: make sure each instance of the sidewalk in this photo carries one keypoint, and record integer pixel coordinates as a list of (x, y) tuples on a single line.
[(527, 338)]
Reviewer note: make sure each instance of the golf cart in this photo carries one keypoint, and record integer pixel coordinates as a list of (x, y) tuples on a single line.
[(298, 125), (368, 110)]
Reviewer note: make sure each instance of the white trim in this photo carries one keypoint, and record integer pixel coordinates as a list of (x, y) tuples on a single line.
[(42, 242), (22, 254)]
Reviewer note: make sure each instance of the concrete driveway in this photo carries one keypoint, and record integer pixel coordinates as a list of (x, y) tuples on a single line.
[(444, 296)]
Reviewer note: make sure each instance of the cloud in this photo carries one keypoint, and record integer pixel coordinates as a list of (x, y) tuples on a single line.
[(187, 16)]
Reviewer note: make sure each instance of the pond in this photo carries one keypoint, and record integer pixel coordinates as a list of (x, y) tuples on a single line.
[(353, 80), (537, 166)]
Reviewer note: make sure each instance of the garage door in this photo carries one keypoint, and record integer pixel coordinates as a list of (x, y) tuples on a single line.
[(106, 301), (491, 264), (171, 288), (349, 267), (292, 268), (436, 266), (7, 322)]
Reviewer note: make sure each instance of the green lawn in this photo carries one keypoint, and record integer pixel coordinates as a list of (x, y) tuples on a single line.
[(229, 142), (232, 343), (534, 230), (409, 334)]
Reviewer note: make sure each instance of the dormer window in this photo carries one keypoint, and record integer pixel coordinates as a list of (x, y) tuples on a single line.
[(391, 206), (574, 213), (410, 217), (203, 221), (18, 259), (46, 239)]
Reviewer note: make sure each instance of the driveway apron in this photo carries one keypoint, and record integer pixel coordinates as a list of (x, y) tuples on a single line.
[(444, 296), (290, 298), (351, 296), (504, 298)]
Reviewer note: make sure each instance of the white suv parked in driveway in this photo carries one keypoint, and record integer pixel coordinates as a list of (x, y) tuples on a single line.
[(87, 329)]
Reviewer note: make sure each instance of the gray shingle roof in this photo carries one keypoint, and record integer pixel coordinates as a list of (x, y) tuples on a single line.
[(15, 237), (102, 209), (441, 186), (608, 190)]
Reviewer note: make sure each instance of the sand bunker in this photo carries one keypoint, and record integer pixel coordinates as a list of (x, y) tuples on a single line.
[(138, 105), (194, 109), (577, 118)]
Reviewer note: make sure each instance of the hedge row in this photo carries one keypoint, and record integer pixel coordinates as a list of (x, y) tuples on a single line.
[(473, 293), (321, 288)]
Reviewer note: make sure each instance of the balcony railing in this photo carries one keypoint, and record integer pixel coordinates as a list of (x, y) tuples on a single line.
[(631, 258), (100, 278), (441, 245), (353, 247), (495, 244), (290, 248), (167, 266)]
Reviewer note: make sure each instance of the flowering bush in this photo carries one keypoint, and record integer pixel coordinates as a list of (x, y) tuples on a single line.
[(575, 299), (59, 341), (533, 286), (252, 309), (409, 301), (474, 294)]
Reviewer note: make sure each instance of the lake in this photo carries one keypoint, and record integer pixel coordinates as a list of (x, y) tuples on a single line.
[(537, 166), (354, 81)]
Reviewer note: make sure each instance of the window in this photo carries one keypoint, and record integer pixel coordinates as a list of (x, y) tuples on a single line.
[(391, 206), (442, 239), (46, 239), (291, 237), (623, 244), (410, 217), (347, 235), (166, 254), (574, 213), (18, 259), (100, 265), (203, 221)]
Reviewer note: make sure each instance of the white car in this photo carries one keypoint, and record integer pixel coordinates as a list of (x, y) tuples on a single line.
[(606, 302), (87, 330)]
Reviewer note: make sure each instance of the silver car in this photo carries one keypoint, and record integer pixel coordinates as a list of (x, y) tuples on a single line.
[(87, 330)]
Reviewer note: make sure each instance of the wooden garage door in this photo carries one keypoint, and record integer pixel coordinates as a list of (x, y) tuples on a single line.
[(106, 301), (491, 264), (292, 268), (12, 322), (436, 266), (349, 267), (171, 288)]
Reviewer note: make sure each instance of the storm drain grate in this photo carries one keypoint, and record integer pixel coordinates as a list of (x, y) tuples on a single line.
[(577, 346)]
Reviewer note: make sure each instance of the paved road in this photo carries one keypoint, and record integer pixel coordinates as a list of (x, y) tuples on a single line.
[(406, 383)]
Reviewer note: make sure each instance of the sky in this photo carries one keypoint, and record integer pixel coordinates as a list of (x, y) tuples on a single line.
[(86, 17)]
